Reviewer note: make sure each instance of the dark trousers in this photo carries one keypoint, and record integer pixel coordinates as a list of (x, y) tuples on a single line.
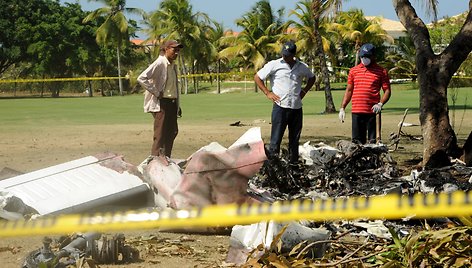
[(165, 128), (281, 118), (363, 125)]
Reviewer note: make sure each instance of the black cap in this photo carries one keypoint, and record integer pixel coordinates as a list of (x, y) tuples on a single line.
[(367, 50), (289, 49)]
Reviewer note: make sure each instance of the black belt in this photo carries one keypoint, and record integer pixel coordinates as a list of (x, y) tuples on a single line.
[(168, 100)]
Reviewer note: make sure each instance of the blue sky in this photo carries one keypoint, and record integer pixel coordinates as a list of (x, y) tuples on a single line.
[(227, 11)]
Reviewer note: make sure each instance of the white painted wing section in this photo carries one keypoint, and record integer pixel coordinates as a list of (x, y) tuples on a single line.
[(70, 184)]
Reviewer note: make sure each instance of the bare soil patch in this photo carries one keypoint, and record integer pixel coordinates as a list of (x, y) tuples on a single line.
[(40, 148)]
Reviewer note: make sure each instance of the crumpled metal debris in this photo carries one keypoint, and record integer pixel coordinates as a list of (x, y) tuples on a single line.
[(351, 170), (343, 171), (98, 248), (355, 170), (376, 228), (446, 179), (212, 175), (67, 187), (13, 208), (246, 238)]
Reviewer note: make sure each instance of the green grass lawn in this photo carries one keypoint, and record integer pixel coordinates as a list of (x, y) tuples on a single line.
[(39, 132), (197, 108)]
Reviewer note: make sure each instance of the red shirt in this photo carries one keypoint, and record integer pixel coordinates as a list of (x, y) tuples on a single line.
[(367, 82)]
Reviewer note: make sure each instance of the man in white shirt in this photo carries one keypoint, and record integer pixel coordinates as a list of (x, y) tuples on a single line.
[(161, 98), (286, 77)]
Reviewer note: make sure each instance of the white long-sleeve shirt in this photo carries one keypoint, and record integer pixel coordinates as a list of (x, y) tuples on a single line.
[(153, 80)]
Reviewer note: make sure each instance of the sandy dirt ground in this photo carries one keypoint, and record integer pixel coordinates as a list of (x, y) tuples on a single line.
[(40, 148)]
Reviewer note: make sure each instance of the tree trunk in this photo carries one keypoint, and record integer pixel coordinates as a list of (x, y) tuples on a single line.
[(42, 88), (55, 89), (467, 151), (434, 74), (194, 78), (256, 88), (439, 139), (218, 83), (329, 103), (90, 92), (120, 84), (357, 46), (183, 73), (102, 88)]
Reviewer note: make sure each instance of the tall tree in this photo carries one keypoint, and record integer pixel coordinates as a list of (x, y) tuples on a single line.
[(114, 29), (434, 74), (175, 19), (207, 58), (309, 32), (46, 39), (16, 21), (401, 62), (442, 32), (259, 39), (354, 27)]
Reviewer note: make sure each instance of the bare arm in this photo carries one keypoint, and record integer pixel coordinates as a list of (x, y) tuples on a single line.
[(347, 96), (309, 85), (270, 95), (386, 96)]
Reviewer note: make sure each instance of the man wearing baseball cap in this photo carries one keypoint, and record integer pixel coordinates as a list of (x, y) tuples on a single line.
[(161, 99), (363, 86), (286, 75)]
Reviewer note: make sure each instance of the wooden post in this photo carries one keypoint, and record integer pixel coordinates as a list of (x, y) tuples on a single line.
[(378, 127)]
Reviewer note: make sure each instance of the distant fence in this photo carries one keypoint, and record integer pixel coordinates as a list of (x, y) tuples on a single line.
[(109, 86), (192, 83)]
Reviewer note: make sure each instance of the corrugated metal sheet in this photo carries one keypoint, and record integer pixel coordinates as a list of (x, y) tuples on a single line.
[(67, 186)]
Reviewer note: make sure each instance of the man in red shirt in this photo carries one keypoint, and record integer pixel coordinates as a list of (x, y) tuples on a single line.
[(363, 87)]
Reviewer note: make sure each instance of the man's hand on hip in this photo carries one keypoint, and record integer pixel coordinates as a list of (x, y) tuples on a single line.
[(273, 97)]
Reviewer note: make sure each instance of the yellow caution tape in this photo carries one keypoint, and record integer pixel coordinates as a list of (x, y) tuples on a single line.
[(206, 75), (391, 206), (60, 79)]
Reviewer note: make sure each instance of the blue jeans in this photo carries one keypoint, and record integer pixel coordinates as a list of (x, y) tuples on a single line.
[(281, 118)]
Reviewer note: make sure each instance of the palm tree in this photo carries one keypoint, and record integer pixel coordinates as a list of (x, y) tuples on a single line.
[(175, 19), (258, 41), (354, 27), (401, 62), (114, 29), (310, 30), (211, 36)]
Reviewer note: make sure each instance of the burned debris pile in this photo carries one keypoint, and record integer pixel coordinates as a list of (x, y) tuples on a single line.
[(351, 170), (447, 179), (355, 170)]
